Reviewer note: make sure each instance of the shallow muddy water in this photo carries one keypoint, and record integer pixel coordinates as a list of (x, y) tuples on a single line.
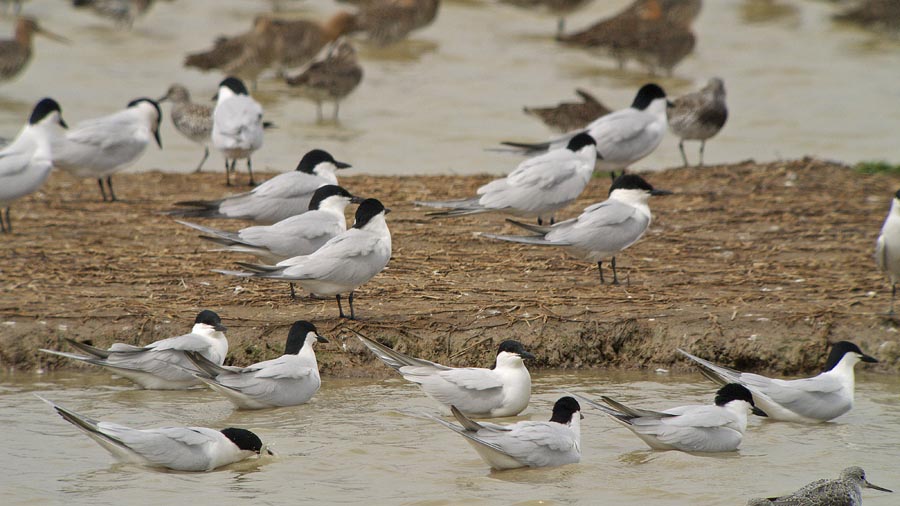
[(798, 84), (358, 441)]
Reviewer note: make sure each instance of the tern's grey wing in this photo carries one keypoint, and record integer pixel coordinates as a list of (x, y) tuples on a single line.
[(14, 162), (473, 391), (547, 181), (627, 134), (102, 144), (820, 398), (536, 444), (351, 258), (609, 226), (183, 448), (296, 235)]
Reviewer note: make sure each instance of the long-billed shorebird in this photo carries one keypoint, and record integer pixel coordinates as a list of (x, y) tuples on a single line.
[(15, 53), (656, 33), (297, 42), (244, 56), (698, 116), (568, 116), (844, 491), (330, 79), (388, 21), (193, 120)]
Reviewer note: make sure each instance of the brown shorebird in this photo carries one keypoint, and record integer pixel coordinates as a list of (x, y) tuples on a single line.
[(298, 42), (388, 21), (244, 56), (560, 8), (698, 116), (656, 33), (883, 14), (194, 121), (330, 79), (568, 116), (15, 53)]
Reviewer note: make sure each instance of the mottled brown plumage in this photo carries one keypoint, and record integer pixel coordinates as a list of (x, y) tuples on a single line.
[(15, 53), (388, 21), (244, 56), (879, 14), (656, 33), (560, 8), (330, 79), (299, 41), (569, 116)]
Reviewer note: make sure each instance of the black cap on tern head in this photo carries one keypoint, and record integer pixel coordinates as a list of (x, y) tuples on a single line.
[(634, 182), (155, 105), (329, 190), (841, 348), (579, 141), (310, 160), (564, 409), (647, 94), (511, 346), (43, 108), (298, 334), (210, 318), (367, 210), (243, 439), (737, 392), (234, 84)]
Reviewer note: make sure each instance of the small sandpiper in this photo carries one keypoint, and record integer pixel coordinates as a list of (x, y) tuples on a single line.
[(330, 79), (193, 120), (699, 116)]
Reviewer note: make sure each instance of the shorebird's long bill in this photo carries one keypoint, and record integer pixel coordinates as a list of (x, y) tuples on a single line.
[(53, 36), (876, 487)]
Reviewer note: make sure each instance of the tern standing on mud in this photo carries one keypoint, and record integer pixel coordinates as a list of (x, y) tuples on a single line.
[(343, 264), (887, 248), (100, 147), (27, 161), (283, 196), (623, 137), (193, 120), (603, 229), (699, 116), (237, 125)]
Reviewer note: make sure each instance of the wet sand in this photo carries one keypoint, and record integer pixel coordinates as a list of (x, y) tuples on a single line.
[(757, 266)]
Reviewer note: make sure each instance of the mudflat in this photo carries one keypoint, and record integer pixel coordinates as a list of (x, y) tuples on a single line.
[(755, 266)]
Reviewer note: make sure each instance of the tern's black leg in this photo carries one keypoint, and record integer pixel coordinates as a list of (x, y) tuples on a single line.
[(293, 293), (600, 268), (250, 170), (540, 222), (350, 298), (340, 309), (684, 156), (615, 276), (7, 225), (102, 189), (112, 194), (702, 146), (227, 174), (203, 160)]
